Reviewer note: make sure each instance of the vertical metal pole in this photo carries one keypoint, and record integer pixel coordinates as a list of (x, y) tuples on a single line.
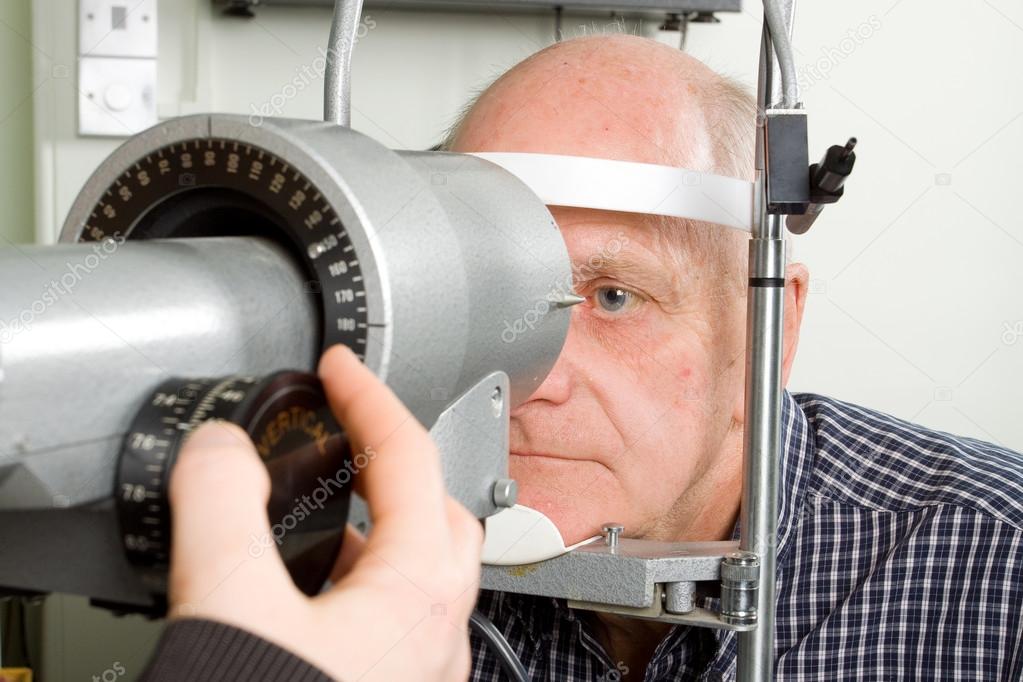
[(762, 437)]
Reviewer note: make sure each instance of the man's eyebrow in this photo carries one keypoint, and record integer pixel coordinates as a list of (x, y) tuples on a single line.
[(622, 267)]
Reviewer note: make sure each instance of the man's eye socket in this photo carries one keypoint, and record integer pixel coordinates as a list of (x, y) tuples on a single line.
[(612, 299)]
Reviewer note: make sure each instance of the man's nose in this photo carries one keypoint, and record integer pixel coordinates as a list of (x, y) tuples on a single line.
[(557, 387)]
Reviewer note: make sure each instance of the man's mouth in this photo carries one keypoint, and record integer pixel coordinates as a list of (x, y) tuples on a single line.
[(539, 457), (546, 455)]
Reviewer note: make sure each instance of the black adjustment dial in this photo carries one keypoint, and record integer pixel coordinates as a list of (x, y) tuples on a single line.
[(287, 416)]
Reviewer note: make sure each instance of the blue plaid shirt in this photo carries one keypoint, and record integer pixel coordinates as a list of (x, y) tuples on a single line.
[(900, 557)]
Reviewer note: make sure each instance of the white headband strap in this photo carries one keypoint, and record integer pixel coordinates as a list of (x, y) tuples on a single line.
[(607, 185)]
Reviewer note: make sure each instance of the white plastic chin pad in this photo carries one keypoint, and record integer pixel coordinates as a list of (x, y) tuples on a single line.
[(521, 535), (584, 182)]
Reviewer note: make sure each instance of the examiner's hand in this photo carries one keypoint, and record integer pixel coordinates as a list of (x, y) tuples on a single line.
[(401, 609)]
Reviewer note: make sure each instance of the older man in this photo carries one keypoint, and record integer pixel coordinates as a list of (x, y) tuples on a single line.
[(899, 548)]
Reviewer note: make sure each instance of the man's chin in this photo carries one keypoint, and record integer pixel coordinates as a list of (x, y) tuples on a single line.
[(574, 523), (574, 494)]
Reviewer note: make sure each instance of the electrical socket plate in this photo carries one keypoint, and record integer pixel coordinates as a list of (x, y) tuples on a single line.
[(117, 28)]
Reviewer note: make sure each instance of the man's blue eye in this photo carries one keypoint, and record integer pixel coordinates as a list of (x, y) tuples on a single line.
[(612, 299)]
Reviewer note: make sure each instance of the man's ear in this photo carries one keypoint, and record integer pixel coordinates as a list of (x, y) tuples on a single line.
[(797, 279)]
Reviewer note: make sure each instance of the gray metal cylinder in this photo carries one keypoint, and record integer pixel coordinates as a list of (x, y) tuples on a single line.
[(88, 330), (740, 583)]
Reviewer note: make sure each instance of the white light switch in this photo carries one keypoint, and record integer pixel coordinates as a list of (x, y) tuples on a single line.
[(117, 97)]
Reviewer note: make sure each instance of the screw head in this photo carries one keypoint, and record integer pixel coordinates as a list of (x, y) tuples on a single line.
[(497, 401), (743, 558), (611, 533), (506, 492)]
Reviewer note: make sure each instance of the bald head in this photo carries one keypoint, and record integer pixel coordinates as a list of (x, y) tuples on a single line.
[(615, 97)]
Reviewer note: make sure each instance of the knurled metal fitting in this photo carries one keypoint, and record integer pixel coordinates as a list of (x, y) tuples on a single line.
[(740, 587)]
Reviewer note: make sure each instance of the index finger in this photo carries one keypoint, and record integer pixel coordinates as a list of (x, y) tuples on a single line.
[(403, 484)]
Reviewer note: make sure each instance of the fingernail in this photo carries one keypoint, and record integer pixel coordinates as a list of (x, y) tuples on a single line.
[(214, 433)]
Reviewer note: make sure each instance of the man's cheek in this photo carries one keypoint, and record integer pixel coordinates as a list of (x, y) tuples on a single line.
[(690, 393), (544, 474)]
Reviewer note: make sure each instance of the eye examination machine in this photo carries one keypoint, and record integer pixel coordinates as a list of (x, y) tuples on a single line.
[(245, 247)]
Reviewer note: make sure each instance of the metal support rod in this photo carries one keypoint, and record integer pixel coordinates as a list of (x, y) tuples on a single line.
[(762, 437), (337, 82), (778, 19)]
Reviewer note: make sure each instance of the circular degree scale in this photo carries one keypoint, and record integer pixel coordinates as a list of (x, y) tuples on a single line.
[(218, 187)]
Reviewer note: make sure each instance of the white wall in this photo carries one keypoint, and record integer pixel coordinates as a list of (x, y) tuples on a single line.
[(915, 305)]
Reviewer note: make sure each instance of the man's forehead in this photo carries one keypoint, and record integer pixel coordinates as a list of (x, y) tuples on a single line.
[(654, 252), (610, 237), (617, 97)]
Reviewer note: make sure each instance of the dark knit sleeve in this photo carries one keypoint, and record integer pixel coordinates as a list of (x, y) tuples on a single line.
[(199, 650)]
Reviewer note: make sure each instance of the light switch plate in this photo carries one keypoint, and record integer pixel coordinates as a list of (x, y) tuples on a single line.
[(117, 28), (117, 97)]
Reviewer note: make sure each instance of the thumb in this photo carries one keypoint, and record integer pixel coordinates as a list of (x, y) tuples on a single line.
[(222, 544)]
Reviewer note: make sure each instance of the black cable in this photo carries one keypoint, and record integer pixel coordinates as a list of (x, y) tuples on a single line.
[(510, 663)]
